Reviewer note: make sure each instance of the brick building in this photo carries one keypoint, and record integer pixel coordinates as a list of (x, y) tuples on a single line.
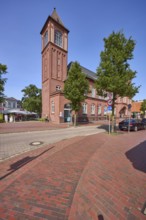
[(54, 72)]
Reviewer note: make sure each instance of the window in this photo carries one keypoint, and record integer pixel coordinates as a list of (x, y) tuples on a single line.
[(99, 110), (14, 105), (93, 93), (45, 38), (58, 38), (52, 107), (84, 106), (105, 110), (92, 109), (9, 104)]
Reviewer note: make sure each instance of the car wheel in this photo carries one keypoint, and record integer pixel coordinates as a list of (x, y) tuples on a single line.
[(135, 128)]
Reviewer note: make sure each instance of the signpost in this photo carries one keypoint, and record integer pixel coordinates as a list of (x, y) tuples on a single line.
[(109, 109), (129, 108), (110, 102)]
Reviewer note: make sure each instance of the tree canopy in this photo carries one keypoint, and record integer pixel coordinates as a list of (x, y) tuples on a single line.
[(114, 74), (32, 99), (76, 86), (143, 107), (3, 70)]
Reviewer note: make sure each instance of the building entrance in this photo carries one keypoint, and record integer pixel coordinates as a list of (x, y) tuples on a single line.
[(67, 112)]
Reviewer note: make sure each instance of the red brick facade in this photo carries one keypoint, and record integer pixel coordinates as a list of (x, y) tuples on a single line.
[(54, 72)]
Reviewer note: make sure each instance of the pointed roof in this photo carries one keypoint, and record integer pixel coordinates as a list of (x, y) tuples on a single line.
[(136, 106), (55, 17), (88, 73)]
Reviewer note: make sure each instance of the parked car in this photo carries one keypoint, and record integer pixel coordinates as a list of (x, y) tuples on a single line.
[(132, 124), (144, 122)]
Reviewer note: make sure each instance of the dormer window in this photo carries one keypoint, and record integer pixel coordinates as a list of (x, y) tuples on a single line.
[(58, 38)]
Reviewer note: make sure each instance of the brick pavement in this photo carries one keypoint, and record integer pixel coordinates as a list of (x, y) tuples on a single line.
[(29, 126), (95, 177), (113, 184)]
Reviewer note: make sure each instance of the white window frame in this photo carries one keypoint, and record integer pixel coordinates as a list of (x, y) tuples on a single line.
[(84, 108), (93, 109), (93, 92), (58, 38), (99, 109)]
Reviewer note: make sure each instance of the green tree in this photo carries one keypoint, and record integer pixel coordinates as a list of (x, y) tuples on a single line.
[(32, 99), (114, 74), (75, 87), (143, 107), (3, 70)]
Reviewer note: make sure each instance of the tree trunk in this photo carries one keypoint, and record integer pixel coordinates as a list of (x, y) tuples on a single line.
[(75, 119)]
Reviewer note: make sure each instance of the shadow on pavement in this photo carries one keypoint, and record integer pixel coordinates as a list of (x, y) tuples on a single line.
[(106, 128), (137, 156), (20, 163)]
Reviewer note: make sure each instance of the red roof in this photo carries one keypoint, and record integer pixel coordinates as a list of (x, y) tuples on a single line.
[(136, 106)]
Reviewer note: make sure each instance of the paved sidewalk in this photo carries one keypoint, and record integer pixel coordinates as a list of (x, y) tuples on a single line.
[(99, 177), (26, 126)]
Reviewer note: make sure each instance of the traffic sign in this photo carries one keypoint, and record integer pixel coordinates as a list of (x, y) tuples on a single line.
[(109, 108), (129, 106), (110, 102)]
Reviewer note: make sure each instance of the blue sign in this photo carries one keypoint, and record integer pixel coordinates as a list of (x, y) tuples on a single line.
[(109, 108), (129, 106)]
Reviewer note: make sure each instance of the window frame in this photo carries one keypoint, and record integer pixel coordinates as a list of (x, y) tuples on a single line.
[(84, 108), (58, 38), (45, 38), (92, 109), (52, 107)]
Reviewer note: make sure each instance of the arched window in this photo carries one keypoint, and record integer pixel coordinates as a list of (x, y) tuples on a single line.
[(93, 109), (52, 107), (84, 107), (58, 38), (99, 109)]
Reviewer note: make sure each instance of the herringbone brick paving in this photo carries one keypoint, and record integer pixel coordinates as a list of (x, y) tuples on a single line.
[(95, 177), (46, 190), (113, 185)]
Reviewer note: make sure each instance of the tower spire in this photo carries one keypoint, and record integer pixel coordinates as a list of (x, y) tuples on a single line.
[(56, 17)]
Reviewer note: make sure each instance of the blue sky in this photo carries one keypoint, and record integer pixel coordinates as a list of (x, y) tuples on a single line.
[(88, 21)]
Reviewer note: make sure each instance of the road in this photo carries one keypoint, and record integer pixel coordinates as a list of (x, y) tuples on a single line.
[(15, 143)]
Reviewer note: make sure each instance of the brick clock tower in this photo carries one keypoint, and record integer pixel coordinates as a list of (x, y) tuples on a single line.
[(54, 66)]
